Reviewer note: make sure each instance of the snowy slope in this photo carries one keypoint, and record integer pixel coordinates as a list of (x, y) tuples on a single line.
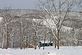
[(46, 51)]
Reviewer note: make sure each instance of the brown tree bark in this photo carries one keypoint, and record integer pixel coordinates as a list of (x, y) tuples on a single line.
[(7, 37), (58, 39), (55, 43)]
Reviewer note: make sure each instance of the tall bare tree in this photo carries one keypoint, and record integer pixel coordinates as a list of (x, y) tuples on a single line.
[(7, 18), (57, 11)]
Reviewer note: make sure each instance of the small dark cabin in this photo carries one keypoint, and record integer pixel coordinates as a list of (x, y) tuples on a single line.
[(41, 44)]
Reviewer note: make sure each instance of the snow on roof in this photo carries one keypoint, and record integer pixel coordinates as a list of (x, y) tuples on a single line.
[(46, 41), (64, 28)]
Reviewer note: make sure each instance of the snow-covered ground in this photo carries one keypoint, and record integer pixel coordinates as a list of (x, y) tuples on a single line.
[(46, 51)]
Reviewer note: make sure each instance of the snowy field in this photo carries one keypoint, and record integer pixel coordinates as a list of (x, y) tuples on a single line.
[(46, 51)]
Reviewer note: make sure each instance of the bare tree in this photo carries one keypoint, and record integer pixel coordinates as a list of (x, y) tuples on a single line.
[(57, 11), (7, 27), (7, 18)]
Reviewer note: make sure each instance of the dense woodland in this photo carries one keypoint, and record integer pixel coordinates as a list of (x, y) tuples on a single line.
[(57, 21), (24, 28)]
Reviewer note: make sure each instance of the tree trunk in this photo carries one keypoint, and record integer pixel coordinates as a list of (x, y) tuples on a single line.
[(35, 40), (2, 39), (58, 40), (58, 44), (7, 37), (44, 43), (20, 36), (55, 43)]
